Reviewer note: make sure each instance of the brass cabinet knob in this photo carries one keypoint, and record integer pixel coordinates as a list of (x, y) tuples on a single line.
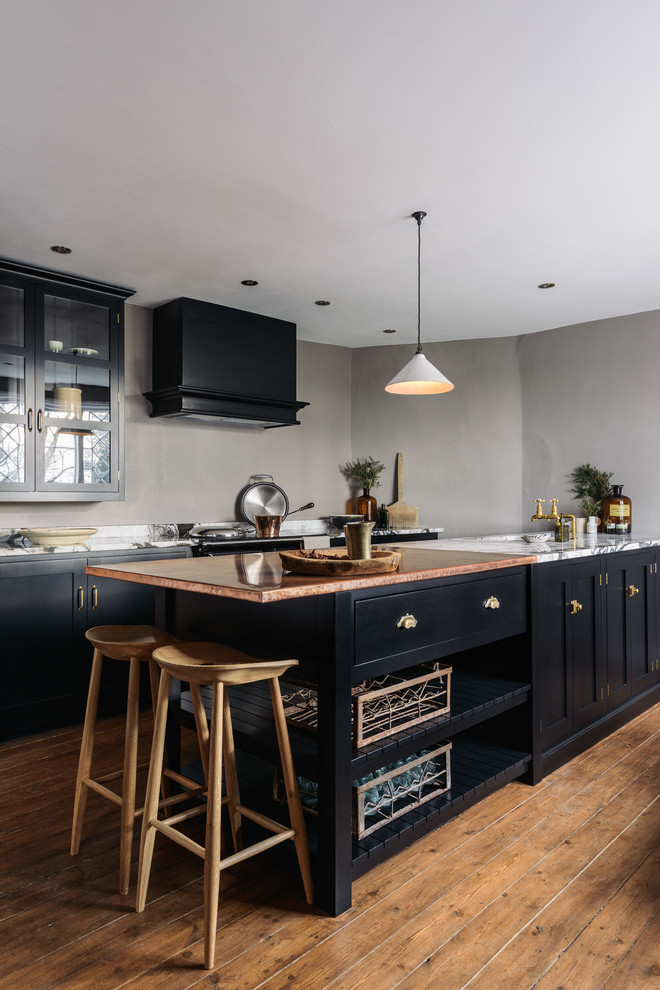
[(407, 622), (575, 606), (492, 602), (632, 591)]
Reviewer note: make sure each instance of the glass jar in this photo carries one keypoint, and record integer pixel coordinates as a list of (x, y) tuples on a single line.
[(367, 506), (617, 513)]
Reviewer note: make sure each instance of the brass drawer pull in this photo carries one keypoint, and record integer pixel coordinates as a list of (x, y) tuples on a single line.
[(95, 596), (632, 591), (40, 421), (29, 420), (492, 602), (81, 598), (575, 607), (407, 622)]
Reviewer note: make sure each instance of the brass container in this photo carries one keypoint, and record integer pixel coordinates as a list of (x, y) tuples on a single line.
[(358, 540)]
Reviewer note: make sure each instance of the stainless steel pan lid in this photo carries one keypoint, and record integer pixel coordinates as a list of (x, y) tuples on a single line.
[(263, 498)]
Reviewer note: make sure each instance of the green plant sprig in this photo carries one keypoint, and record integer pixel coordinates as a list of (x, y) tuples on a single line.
[(366, 472), (590, 487)]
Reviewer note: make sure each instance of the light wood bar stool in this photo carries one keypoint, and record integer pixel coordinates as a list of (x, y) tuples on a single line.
[(134, 644), (215, 665)]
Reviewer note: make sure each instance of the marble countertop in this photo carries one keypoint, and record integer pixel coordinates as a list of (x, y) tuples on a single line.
[(584, 546), (162, 535)]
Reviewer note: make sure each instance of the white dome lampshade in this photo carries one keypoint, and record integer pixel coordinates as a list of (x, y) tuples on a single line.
[(419, 377)]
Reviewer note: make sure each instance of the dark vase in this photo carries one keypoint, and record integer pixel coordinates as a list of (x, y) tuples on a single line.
[(367, 506)]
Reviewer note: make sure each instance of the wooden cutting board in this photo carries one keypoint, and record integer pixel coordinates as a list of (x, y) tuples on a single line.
[(402, 515)]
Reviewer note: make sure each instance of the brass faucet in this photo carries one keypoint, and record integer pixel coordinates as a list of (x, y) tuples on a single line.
[(553, 514)]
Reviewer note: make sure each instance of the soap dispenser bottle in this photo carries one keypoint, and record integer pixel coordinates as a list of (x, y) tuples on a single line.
[(617, 513)]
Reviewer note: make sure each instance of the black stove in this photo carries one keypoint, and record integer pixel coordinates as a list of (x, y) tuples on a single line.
[(219, 545)]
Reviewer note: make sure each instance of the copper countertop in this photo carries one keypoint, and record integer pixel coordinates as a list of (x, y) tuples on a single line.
[(259, 577)]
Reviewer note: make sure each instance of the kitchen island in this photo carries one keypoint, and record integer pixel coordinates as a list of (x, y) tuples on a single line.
[(469, 606)]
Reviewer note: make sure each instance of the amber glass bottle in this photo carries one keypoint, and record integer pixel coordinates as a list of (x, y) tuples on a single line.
[(367, 506), (617, 513)]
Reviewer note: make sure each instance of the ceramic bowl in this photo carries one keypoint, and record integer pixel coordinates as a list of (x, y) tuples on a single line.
[(54, 537), (340, 521)]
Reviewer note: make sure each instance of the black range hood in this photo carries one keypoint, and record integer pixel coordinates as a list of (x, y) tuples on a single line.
[(220, 364)]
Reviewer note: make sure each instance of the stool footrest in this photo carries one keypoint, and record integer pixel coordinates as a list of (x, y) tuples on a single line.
[(178, 837), (256, 848), (102, 790)]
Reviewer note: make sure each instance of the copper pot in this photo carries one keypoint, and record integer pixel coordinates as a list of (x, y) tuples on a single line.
[(268, 525)]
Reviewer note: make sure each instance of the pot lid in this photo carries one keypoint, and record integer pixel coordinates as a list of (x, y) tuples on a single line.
[(263, 498)]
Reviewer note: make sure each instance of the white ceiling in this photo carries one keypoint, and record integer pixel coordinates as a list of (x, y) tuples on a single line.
[(179, 146)]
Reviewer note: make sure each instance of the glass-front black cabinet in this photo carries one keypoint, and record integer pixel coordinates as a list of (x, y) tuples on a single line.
[(61, 387)]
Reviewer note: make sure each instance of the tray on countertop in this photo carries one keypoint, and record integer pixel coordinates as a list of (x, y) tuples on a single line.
[(336, 563)]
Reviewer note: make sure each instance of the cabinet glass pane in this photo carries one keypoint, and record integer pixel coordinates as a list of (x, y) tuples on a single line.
[(72, 327), (12, 385), (77, 391), (12, 452), (77, 456), (12, 330)]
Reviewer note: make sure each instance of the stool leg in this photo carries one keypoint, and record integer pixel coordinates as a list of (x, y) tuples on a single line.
[(231, 777), (154, 681), (202, 725), (212, 842), (129, 781), (292, 793), (153, 784), (86, 752)]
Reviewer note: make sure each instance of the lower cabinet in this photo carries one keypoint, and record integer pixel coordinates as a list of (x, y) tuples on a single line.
[(46, 604), (567, 631), (594, 645)]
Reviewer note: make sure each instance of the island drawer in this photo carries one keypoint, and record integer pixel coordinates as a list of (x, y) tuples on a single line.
[(438, 621)]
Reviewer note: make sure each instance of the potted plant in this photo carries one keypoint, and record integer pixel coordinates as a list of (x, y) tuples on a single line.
[(367, 473), (591, 487)]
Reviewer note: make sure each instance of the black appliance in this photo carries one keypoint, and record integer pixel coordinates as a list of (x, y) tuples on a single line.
[(244, 544), (212, 362)]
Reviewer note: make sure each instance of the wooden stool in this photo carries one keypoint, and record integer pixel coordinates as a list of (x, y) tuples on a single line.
[(135, 644), (204, 664)]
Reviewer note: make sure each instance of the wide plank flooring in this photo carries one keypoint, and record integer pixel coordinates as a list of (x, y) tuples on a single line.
[(555, 887)]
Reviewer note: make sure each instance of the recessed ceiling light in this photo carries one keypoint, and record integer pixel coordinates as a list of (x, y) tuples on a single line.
[(322, 302), (546, 285), (389, 331), (60, 249), (249, 281)]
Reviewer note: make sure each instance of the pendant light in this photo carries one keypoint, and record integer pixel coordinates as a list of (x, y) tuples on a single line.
[(419, 377)]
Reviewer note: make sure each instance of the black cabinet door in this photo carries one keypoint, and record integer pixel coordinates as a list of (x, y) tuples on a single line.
[(639, 599), (553, 666), (586, 625), (42, 617), (567, 624), (630, 623)]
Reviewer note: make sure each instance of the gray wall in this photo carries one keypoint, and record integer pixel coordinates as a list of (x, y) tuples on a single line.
[(185, 471), (590, 394), (525, 411), (463, 449)]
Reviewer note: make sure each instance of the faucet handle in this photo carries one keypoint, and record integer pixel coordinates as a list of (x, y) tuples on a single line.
[(553, 510), (539, 503)]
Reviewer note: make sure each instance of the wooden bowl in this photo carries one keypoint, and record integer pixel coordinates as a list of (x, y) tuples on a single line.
[(380, 562)]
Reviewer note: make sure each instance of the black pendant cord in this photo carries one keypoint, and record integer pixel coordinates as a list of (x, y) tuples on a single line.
[(419, 216)]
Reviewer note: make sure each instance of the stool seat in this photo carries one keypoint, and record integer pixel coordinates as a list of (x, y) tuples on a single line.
[(217, 666), (214, 663), (134, 644), (128, 642)]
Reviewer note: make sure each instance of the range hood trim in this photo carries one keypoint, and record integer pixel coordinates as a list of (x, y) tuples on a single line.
[(179, 402)]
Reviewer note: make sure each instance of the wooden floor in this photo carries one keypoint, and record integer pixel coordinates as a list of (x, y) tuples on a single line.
[(556, 886)]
